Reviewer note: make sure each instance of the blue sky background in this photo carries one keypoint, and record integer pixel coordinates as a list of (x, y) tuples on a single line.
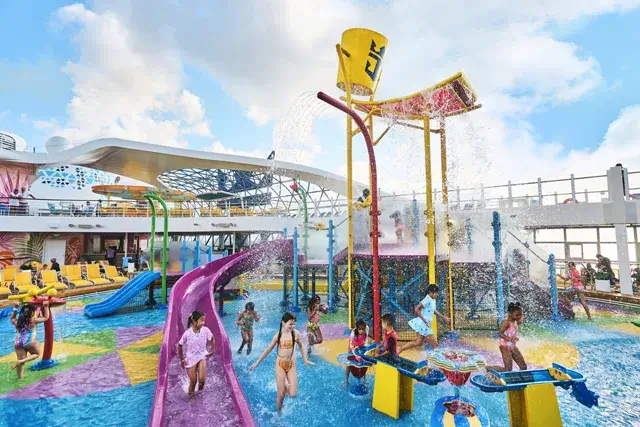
[(34, 88)]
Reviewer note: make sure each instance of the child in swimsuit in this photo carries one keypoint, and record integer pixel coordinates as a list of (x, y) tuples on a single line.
[(286, 372), (245, 321), (314, 334), (389, 351), (358, 338), (195, 340), (422, 324), (508, 333), (26, 341), (577, 287), (397, 217)]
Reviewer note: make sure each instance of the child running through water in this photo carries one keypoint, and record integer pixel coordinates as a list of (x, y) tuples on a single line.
[(508, 333), (358, 338), (577, 287), (286, 371), (314, 334), (195, 340), (245, 321), (26, 341), (422, 324)]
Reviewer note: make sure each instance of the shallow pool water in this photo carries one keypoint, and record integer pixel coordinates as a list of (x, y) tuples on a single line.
[(609, 360), (107, 373)]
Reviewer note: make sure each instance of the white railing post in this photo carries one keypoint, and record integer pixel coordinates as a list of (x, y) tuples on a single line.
[(540, 191), (573, 188), (458, 196), (555, 197), (509, 194), (586, 196)]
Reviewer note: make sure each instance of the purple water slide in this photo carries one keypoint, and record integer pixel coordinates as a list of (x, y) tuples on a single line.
[(222, 402)]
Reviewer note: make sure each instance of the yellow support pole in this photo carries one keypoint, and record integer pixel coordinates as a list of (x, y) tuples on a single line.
[(431, 223), (445, 202), (349, 182)]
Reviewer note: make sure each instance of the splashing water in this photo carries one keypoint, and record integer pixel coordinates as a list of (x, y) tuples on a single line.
[(291, 136)]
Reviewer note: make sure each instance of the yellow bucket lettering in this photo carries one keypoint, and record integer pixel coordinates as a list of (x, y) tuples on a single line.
[(364, 52)]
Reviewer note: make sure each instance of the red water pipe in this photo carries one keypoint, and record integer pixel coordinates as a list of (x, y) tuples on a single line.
[(375, 260), (48, 338)]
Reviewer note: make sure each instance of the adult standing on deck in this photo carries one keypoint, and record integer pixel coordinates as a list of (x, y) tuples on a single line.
[(111, 255), (25, 194), (604, 264)]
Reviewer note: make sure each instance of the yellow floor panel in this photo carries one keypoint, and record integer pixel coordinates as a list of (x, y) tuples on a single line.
[(64, 348), (625, 328), (536, 352), (155, 339), (140, 367)]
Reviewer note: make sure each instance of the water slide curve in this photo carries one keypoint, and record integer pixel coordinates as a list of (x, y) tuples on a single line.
[(122, 296), (222, 402)]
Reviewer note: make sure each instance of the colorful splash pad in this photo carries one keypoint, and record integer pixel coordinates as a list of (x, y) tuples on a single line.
[(457, 366)]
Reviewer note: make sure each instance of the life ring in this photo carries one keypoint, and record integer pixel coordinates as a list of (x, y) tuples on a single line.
[(570, 200)]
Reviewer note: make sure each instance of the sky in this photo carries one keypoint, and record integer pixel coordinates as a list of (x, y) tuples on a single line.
[(557, 80)]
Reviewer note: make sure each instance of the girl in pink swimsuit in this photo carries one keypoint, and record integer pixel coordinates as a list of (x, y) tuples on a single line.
[(508, 333), (577, 287)]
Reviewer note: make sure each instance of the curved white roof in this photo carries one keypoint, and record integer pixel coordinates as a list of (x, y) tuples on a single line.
[(145, 162)]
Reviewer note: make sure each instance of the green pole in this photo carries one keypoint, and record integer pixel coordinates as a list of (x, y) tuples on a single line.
[(165, 240), (152, 243), (303, 193)]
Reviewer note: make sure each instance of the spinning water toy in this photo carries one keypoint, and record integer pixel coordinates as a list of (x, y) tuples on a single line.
[(531, 394), (358, 368), (457, 366), (35, 297), (393, 387)]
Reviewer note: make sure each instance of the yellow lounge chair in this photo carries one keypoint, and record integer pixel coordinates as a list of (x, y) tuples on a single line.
[(50, 277), (74, 277), (94, 276), (112, 274), (8, 276), (23, 282), (4, 290)]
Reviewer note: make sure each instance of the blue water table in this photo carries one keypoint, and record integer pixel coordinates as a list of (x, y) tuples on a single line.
[(531, 395)]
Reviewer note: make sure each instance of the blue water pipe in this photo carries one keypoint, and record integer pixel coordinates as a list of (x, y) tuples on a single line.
[(554, 286), (196, 255), (210, 253), (226, 252), (285, 297), (294, 306), (183, 256), (498, 255), (332, 308), (467, 227), (416, 223)]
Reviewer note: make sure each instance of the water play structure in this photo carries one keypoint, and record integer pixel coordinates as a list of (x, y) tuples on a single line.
[(378, 258), (36, 297)]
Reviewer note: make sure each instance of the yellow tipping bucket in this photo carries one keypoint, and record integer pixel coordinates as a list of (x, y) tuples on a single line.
[(363, 52)]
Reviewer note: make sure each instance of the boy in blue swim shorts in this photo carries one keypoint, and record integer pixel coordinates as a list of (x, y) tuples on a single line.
[(422, 324)]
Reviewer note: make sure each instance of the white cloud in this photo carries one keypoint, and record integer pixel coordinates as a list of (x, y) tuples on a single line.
[(124, 87), (129, 78)]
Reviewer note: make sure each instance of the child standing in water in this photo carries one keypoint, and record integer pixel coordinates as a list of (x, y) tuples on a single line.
[(26, 341), (397, 217), (358, 338), (245, 321), (508, 333), (195, 339), (390, 338), (577, 287), (422, 324), (286, 371), (314, 334)]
